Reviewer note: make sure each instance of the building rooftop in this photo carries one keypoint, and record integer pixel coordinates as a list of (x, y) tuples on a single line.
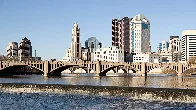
[(25, 38), (189, 32), (140, 17)]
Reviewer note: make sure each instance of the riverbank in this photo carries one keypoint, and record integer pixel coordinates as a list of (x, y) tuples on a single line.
[(151, 94)]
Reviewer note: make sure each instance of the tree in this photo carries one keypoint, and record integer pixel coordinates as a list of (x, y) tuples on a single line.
[(192, 62), (168, 71)]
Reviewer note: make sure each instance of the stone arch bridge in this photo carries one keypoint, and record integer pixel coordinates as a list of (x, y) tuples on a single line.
[(54, 68)]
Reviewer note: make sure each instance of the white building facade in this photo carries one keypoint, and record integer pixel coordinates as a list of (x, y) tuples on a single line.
[(163, 46), (148, 58), (188, 44), (112, 54), (175, 44), (140, 34), (171, 56), (171, 50), (12, 49)]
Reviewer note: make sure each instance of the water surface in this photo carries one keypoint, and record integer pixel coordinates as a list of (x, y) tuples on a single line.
[(90, 79), (51, 101)]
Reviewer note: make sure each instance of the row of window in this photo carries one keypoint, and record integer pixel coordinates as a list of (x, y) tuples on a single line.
[(100, 56), (109, 52), (146, 57), (110, 58), (143, 59)]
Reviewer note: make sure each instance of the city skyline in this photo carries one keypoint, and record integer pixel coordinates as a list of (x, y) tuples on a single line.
[(19, 20)]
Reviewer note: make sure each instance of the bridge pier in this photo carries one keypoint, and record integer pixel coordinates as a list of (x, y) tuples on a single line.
[(143, 69), (0, 65), (72, 69), (116, 70), (180, 67), (98, 67), (46, 71)]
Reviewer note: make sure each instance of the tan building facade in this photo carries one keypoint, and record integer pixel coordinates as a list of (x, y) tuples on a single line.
[(75, 44), (74, 53)]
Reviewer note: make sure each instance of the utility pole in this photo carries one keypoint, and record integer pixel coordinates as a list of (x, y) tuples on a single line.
[(172, 54), (35, 56)]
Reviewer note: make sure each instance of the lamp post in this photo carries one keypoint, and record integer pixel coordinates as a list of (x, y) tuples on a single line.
[(172, 54), (194, 62)]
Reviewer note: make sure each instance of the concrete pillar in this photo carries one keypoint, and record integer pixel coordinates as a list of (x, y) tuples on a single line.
[(127, 69), (143, 69), (116, 70), (98, 67), (46, 71), (88, 67), (3, 63), (180, 67)]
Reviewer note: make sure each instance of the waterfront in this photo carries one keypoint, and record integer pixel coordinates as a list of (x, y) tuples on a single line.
[(121, 80), (47, 99)]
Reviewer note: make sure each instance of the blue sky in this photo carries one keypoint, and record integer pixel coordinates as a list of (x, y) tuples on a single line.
[(48, 23)]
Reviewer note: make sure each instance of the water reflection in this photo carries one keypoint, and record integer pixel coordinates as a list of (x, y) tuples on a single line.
[(90, 79)]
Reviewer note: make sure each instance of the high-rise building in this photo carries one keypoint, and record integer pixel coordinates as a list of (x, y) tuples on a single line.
[(74, 53), (75, 44), (92, 44), (25, 48), (140, 34), (188, 44), (12, 49), (163, 46), (121, 33), (175, 44)]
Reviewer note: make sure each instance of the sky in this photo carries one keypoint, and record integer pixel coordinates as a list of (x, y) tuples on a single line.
[(48, 23)]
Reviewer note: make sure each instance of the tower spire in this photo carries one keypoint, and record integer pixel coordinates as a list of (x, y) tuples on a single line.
[(76, 45)]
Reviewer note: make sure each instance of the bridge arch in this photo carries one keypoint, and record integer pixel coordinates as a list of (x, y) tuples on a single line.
[(123, 69), (59, 70), (163, 70), (80, 69), (104, 72), (133, 70), (113, 70), (10, 70), (168, 70), (189, 72)]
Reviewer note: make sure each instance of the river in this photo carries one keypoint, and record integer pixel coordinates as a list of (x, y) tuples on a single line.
[(52, 101)]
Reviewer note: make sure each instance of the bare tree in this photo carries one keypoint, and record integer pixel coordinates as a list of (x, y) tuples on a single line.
[(192, 62), (168, 71)]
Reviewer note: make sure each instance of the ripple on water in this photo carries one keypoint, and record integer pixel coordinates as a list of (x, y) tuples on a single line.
[(35, 101)]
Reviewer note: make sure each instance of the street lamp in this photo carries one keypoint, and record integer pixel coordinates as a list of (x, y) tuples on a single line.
[(172, 50)]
